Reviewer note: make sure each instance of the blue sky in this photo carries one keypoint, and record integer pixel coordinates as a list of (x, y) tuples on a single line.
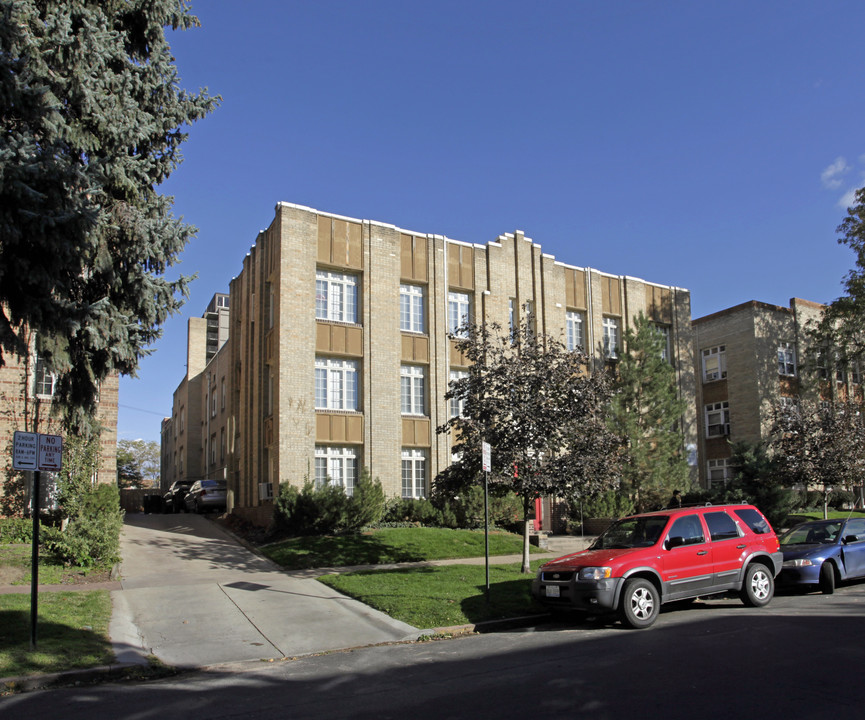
[(708, 145)]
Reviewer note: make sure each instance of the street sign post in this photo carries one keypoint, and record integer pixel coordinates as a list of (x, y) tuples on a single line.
[(36, 452)]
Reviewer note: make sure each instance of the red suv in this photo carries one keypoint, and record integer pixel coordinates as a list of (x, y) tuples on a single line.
[(643, 561)]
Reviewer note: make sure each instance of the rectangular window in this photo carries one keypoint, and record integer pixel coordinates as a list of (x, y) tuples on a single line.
[(457, 404), (411, 310), (530, 318), (459, 313), (512, 316), (575, 323), (213, 449), (719, 472), (45, 379), (222, 445), (335, 384), (413, 473), (335, 296), (222, 393), (667, 350), (855, 375), (717, 419), (786, 359), (611, 338), (335, 466), (413, 389), (714, 363)]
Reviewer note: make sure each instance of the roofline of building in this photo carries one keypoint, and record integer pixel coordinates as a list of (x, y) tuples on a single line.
[(758, 305)]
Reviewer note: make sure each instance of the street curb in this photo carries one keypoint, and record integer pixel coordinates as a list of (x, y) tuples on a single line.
[(28, 683)]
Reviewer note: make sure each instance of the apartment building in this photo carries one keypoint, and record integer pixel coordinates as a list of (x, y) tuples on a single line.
[(195, 439), (749, 358), (26, 394), (339, 351)]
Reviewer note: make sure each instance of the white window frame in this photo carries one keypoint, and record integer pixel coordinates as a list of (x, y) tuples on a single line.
[(666, 334), (413, 473), (575, 330), (336, 465), (719, 472), (459, 313), (786, 359), (412, 389), (714, 363), (512, 316), (336, 384), (336, 296), (717, 415), (44, 381), (411, 308), (611, 338), (457, 405)]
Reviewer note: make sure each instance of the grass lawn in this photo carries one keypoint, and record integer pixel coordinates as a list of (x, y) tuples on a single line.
[(389, 545), (432, 597), (72, 632), (801, 517), (15, 567)]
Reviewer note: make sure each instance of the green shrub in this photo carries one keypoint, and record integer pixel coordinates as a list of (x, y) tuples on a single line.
[(367, 503), (610, 504), (505, 511), (92, 536), (16, 530)]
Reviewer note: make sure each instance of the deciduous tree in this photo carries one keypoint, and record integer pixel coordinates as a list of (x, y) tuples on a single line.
[(541, 411)]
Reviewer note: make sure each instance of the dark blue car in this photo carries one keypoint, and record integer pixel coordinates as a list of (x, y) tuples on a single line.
[(823, 553)]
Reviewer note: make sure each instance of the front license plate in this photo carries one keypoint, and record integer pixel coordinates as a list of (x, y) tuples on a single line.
[(552, 590)]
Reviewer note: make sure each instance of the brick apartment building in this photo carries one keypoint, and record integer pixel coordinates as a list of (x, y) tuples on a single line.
[(339, 353), (749, 358), (23, 384)]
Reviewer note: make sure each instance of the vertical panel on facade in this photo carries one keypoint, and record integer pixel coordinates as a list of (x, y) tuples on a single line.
[(575, 288), (659, 304), (461, 266), (611, 301)]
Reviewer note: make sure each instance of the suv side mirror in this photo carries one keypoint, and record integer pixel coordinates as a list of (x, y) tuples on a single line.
[(674, 542), (851, 539)]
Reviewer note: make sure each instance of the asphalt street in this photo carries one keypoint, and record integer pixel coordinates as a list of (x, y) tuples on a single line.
[(799, 658)]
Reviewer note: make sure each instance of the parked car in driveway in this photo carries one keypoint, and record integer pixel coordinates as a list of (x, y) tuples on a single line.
[(205, 495), (823, 552), (643, 561), (172, 501)]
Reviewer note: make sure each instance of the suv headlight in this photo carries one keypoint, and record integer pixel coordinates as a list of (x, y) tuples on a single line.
[(595, 573), (799, 562)]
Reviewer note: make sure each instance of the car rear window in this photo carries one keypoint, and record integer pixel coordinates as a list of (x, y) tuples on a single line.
[(754, 520)]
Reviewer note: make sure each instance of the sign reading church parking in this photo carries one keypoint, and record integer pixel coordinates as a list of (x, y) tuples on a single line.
[(34, 451)]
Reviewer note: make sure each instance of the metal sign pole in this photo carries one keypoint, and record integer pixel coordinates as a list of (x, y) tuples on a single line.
[(487, 531), (34, 562)]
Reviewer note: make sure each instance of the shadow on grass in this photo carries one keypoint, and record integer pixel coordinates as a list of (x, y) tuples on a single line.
[(59, 647), (302, 553)]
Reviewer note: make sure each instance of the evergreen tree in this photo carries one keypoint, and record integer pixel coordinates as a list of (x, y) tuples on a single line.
[(646, 410), (92, 120), (542, 414)]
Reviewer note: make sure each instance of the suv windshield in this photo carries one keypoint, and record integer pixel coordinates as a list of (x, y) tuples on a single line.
[(631, 533)]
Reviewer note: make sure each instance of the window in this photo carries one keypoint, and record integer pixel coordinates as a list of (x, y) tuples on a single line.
[(719, 472), (335, 297), (182, 418), (530, 318), (667, 349), (44, 379), (411, 313), (689, 528), (855, 375), (412, 389), (786, 359), (222, 394), (413, 473), (820, 364), (222, 445), (335, 384), (717, 419), (335, 466), (611, 338), (512, 316), (457, 404), (575, 323), (213, 449), (213, 403), (459, 313), (714, 363), (721, 526)]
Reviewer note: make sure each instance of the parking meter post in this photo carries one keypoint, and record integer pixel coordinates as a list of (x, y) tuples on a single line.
[(34, 561)]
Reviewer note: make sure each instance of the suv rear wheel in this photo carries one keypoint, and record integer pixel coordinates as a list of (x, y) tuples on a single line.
[(758, 586), (641, 603)]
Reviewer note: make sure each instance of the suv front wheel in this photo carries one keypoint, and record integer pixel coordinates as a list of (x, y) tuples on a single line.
[(641, 603), (758, 586)]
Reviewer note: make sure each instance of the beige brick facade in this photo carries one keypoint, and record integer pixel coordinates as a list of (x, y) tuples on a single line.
[(287, 428), (749, 338)]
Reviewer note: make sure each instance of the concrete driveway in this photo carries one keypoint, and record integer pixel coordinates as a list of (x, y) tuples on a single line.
[(193, 596)]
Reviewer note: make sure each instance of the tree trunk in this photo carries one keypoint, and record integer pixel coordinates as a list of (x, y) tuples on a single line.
[(526, 566)]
